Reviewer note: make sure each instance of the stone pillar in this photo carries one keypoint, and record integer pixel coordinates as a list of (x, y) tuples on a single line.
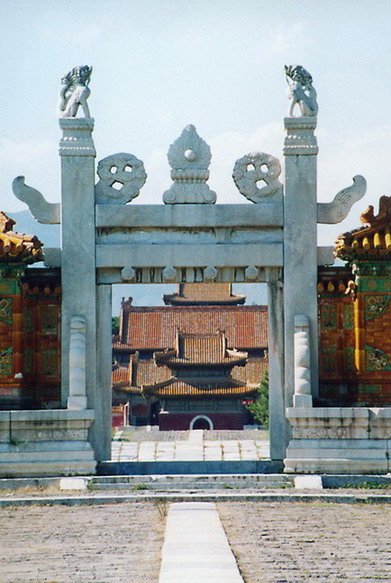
[(300, 242), (102, 443), (278, 425), (78, 248)]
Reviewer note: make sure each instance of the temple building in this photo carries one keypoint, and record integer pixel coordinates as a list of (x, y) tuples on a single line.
[(29, 324), (355, 316), (192, 362)]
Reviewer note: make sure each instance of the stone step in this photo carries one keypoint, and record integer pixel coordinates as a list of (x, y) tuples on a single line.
[(191, 482), (110, 468)]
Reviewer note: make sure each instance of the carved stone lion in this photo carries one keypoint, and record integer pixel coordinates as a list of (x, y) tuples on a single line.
[(301, 91), (75, 91)]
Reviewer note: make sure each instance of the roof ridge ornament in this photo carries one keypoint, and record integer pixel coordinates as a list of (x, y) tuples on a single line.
[(189, 157)]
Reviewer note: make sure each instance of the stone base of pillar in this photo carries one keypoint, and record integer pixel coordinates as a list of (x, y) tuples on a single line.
[(46, 443), (346, 440), (77, 403), (302, 400)]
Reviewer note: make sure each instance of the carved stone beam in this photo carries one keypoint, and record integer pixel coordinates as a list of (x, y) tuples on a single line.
[(337, 210), (42, 210)]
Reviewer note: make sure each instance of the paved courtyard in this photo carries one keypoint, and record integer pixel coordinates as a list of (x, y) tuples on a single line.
[(196, 445), (300, 542), (273, 543)]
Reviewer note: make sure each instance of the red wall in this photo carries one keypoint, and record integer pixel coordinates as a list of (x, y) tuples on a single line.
[(181, 421)]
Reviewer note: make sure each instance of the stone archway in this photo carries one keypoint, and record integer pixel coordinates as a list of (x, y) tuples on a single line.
[(201, 422), (190, 239)]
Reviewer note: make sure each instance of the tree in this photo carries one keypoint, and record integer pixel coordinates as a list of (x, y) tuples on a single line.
[(260, 407), (115, 325)]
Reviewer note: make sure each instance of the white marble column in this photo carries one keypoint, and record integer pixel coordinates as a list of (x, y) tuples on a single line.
[(300, 242), (78, 246), (279, 426), (102, 441)]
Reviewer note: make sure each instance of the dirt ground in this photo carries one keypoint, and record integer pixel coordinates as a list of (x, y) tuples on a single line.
[(317, 542), (100, 544)]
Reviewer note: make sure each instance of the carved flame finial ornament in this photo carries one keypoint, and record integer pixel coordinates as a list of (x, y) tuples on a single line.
[(257, 167), (189, 157), (301, 91), (75, 92)]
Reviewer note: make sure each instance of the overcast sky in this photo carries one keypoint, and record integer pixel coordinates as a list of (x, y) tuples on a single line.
[(219, 64)]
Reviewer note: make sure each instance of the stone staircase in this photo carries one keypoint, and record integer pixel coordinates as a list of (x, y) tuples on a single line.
[(175, 482)]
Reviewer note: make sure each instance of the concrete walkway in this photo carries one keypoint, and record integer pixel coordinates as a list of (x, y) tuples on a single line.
[(196, 549), (195, 448)]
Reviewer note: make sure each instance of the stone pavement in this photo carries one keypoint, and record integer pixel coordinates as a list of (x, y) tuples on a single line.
[(195, 547), (272, 542), (195, 448)]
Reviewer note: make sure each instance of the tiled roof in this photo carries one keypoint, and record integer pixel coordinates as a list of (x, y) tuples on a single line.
[(17, 248), (335, 280), (120, 375), (253, 371), (203, 293), (200, 388), (145, 371), (372, 240), (154, 328), (200, 349)]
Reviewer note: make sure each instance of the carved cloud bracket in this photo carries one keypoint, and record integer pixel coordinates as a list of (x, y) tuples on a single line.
[(43, 211), (121, 178), (254, 168), (337, 210)]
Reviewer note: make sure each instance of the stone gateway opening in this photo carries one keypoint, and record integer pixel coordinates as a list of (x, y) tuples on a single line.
[(201, 422)]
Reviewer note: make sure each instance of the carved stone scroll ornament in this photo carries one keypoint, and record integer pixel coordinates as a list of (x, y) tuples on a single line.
[(302, 396), (77, 363), (42, 210), (189, 157), (121, 178), (301, 91), (337, 210), (75, 92), (257, 167)]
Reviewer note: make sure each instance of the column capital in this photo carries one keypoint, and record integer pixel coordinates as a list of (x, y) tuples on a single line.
[(77, 137), (300, 139)]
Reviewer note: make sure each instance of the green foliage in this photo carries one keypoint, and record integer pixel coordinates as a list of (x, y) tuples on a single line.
[(260, 407), (140, 487), (115, 325)]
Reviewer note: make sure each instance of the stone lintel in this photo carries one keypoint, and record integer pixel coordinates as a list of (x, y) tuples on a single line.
[(191, 255), (52, 257), (190, 215), (112, 275)]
